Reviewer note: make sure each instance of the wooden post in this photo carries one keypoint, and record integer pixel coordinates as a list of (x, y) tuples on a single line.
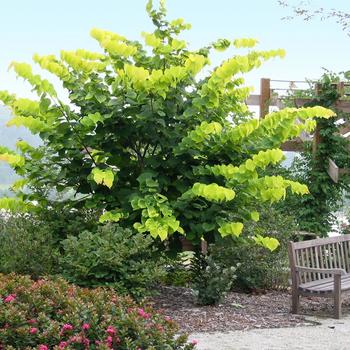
[(265, 96), (295, 279), (337, 296), (317, 135), (204, 247), (333, 170), (340, 88)]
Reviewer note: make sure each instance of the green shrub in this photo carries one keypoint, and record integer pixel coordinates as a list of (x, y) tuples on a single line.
[(26, 246), (65, 221), (210, 281), (178, 271), (55, 315), (258, 267), (114, 257)]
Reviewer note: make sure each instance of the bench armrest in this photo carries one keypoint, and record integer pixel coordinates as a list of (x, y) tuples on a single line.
[(318, 270)]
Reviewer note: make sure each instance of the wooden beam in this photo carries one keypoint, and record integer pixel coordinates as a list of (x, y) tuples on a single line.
[(342, 105), (344, 129), (333, 170), (300, 102), (295, 145), (253, 100), (265, 96)]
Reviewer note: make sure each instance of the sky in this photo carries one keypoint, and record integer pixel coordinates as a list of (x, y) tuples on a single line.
[(45, 27)]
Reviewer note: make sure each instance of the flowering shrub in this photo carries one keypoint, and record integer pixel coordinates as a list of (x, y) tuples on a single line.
[(52, 314)]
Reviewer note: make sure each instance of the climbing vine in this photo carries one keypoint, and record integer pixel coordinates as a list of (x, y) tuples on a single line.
[(315, 211)]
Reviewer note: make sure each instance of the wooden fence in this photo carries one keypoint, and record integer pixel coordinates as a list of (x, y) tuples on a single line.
[(268, 98)]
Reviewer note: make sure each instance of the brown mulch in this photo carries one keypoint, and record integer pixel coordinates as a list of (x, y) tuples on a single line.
[(240, 311)]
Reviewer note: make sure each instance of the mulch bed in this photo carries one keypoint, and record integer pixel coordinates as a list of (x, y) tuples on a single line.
[(240, 311)]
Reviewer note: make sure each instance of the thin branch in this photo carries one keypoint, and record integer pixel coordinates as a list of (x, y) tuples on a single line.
[(301, 10), (154, 149), (145, 151), (61, 107)]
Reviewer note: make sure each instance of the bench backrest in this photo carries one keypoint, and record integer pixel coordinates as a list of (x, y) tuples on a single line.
[(326, 253)]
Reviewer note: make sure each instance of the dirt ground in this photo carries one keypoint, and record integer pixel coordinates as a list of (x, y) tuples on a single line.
[(241, 311)]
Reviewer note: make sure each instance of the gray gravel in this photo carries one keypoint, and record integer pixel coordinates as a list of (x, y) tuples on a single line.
[(330, 334)]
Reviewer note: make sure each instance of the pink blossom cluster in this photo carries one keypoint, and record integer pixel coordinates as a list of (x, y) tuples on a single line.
[(143, 314), (10, 298), (111, 338)]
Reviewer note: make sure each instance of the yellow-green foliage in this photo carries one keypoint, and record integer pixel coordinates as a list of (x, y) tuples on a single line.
[(152, 136)]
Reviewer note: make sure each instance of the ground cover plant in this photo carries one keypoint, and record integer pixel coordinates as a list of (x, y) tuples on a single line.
[(52, 314), (151, 137)]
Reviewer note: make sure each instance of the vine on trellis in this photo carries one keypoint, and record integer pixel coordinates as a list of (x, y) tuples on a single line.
[(315, 211)]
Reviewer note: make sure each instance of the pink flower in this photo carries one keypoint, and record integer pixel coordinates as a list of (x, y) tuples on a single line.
[(160, 328), (109, 341), (67, 327), (10, 298), (43, 347), (33, 330), (32, 321), (85, 326), (63, 344), (194, 342), (142, 313), (76, 339), (111, 330)]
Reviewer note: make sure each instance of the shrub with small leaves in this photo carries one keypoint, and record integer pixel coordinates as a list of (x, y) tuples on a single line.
[(54, 315), (259, 268), (178, 271), (211, 281), (27, 246), (113, 256)]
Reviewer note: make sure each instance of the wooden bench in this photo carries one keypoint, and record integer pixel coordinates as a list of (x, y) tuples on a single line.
[(320, 267)]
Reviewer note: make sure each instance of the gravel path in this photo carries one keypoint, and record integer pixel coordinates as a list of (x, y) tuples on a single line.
[(258, 322), (330, 335)]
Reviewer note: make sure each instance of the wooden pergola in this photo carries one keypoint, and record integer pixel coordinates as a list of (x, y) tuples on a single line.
[(268, 98)]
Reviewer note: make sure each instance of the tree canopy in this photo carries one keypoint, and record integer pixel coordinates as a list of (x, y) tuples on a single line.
[(153, 136)]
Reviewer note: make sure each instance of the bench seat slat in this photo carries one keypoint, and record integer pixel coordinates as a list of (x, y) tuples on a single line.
[(325, 285)]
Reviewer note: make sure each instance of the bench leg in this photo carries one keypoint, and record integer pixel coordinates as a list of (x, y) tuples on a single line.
[(337, 296), (295, 301)]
